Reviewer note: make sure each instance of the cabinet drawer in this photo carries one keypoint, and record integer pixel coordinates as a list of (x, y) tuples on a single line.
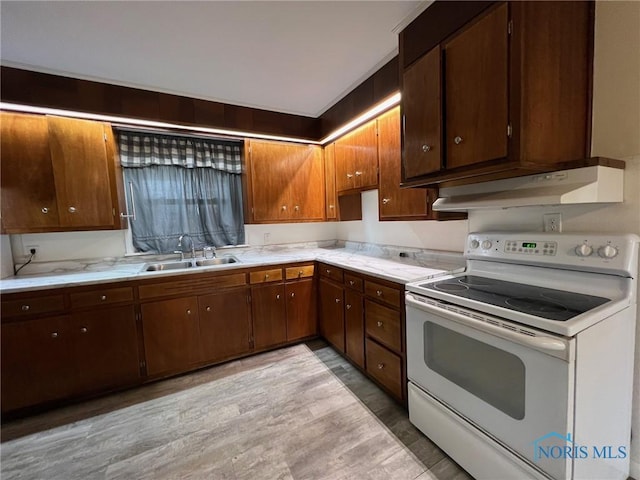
[(385, 367), (101, 297), (329, 271), (265, 276), (304, 271), (383, 324), (188, 286), (354, 282), (383, 293), (31, 306)]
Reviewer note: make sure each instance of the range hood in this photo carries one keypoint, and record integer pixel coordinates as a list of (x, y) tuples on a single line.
[(594, 184)]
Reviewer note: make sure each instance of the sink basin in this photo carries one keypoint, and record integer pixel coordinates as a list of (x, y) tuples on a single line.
[(216, 261), (154, 267)]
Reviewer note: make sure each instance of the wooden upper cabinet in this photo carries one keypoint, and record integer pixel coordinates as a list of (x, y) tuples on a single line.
[(356, 157), (513, 91), (476, 61), (331, 201), (395, 202), (58, 174), (285, 182), (28, 186), (422, 116)]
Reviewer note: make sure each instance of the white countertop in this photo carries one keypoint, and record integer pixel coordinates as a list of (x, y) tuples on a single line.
[(375, 262)]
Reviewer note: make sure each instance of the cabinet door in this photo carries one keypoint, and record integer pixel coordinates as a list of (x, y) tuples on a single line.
[(28, 187), (331, 200), (393, 201), (301, 309), (354, 326), (105, 344), (356, 156), (422, 111), (81, 171), (305, 172), (37, 362), (224, 324), (269, 315), (476, 91), (332, 314), (171, 335), (268, 165)]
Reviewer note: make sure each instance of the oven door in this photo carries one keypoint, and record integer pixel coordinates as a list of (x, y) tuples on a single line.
[(514, 386)]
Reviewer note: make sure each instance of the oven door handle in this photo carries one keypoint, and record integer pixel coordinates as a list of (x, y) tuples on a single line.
[(553, 346)]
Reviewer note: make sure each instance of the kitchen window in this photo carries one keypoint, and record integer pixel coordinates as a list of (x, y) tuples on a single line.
[(182, 185)]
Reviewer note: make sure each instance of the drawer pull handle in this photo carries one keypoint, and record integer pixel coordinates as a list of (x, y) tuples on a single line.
[(380, 366), (72, 210), (103, 298), (349, 175), (278, 296), (379, 293), (426, 148), (380, 323), (208, 309), (54, 335), (348, 306), (328, 271), (188, 312), (266, 277), (45, 210), (25, 308), (337, 300), (293, 294), (358, 173), (385, 201), (457, 140), (300, 273), (352, 283), (83, 330)]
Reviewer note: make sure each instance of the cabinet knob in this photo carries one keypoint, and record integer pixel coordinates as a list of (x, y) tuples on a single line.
[(358, 173), (379, 293), (331, 207), (300, 273), (352, 283), (348, 306), (380, 324), (45, 210), (328, 271), (349, 175), (84, 330), (266, 276), (380, 366), (457, 140), (208, 309), (385, 201), (25, 308), (188, 312), (297, 208), (278, 296), (337, 300), (292, 295), (284, 208), (103, 298), (72, 209), (54, 334), (426, 148)]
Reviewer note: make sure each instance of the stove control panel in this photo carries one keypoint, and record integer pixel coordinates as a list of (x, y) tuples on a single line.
[(615, 254)]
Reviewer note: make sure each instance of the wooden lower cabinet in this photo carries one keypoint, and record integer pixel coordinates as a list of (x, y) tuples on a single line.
[(171, 334), (354, 327), (332, 313), (301, 309), (225, 324), (269, 315), (386, 367)]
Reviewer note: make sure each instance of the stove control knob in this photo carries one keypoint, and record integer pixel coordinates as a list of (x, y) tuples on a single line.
[(486, 245), (584, 250), (607, 251), (474, 244)]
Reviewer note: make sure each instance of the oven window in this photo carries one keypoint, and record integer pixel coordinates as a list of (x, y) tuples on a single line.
[(491, 374)]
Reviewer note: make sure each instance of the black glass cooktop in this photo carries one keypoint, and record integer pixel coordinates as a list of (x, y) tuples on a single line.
[(540, 302)]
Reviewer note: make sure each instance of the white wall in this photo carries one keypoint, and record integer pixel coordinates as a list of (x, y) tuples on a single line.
[(6, 260), (433, 235)]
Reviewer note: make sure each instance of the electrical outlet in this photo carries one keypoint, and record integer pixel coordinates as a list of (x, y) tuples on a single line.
[(552, 222), (29, 248)]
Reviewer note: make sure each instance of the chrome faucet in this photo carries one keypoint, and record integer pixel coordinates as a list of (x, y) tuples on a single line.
[(180, 247)]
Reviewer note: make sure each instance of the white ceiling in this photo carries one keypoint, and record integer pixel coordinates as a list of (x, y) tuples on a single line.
[(289, 56)]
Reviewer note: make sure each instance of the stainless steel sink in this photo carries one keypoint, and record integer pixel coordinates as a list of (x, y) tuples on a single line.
[(154, 267), (216, 261)]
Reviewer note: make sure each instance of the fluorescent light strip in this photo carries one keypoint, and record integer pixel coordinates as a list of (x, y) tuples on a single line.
[(147, 123), (368, 115), (386, 104)]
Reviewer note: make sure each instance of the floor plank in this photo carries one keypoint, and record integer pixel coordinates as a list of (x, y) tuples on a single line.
[(301, 412)]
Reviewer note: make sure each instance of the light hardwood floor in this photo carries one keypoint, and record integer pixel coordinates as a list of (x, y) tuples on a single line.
[(301, 412)]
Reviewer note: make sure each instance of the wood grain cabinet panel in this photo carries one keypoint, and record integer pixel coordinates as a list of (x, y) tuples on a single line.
[(58, 174), (383, 293), (103, 296), (383, 325), (385, 367), (266, 276), (285, 182), (331, 200), (354, 326), (303, 271), (301, 309), (171, 334), (18, 307), (332, 313), (268, 309), (356, 158), (225, 324), (330, 271)]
